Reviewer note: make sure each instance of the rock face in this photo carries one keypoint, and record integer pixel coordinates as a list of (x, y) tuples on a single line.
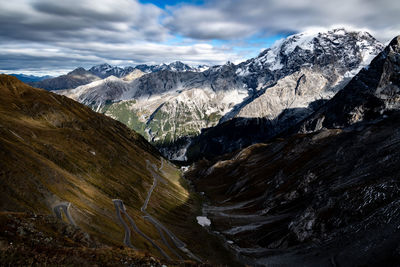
[(136, 73), (73, 79)]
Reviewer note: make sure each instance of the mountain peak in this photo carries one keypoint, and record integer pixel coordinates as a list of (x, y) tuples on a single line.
[(338, 48), (177, 63), (102, 66), (372, 92), (78, 71), (105, 70)]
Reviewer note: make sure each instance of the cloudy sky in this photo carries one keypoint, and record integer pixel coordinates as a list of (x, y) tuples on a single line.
[(53, 37)]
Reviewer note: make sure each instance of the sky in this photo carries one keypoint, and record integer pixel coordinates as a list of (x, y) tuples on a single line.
[(53, 37)]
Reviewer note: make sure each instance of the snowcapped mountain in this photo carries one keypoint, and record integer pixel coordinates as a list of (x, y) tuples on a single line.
[(289, 81), (338, 48), (329, 58), (281, 86), (374, 91), (177, 66), (106, 70), (200, 68)]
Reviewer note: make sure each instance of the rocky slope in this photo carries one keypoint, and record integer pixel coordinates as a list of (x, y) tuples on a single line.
[(98, 93), (37, 240), (166, 105), (282, 85), (60, 158), (310, 200), (326, 197), (136, 73)]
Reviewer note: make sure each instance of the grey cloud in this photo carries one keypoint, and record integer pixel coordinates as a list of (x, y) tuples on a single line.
[(50, 21), (236, 19)]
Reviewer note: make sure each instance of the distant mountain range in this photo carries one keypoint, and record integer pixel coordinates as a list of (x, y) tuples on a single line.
[(30, 78), (81, 76), (172, 104)]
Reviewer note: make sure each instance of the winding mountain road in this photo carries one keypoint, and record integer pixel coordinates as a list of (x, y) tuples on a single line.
[(119, 205), (120, 208), (64, 206), (160, 227)]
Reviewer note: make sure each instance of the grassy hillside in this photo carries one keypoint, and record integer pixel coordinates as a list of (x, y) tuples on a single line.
[(55, 150)]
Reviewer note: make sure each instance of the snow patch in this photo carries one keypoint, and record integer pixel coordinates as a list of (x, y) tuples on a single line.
[(203, 221)]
